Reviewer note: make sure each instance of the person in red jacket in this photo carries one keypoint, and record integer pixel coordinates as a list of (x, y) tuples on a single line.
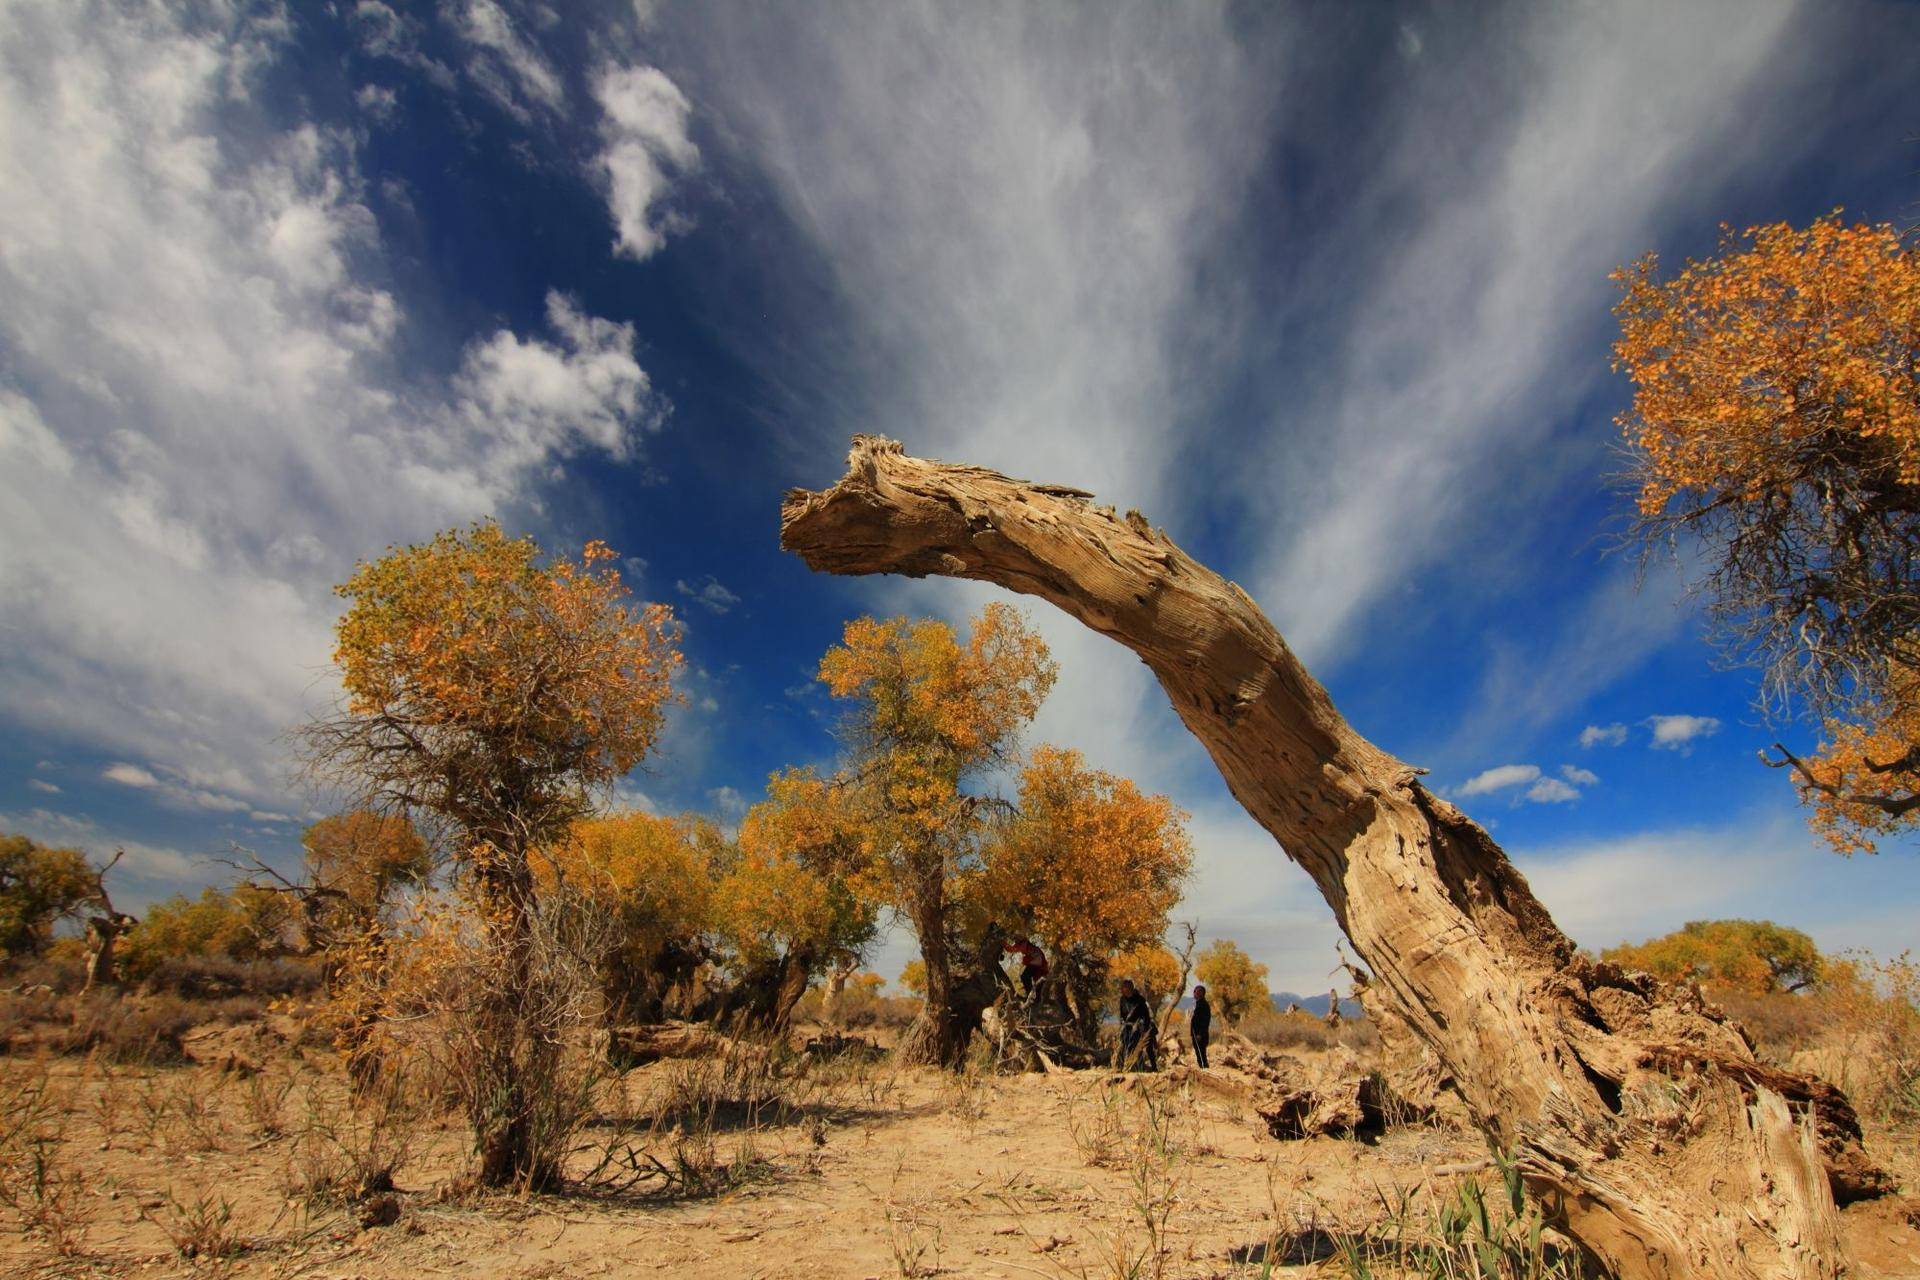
[(1033, 965)]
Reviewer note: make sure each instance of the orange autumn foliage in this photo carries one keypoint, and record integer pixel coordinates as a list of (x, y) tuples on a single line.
[(927, 714), (1789, 338), (365, 856), (493, 689), (1090, 863), (655, 875), (1776, 419), (806, 883)]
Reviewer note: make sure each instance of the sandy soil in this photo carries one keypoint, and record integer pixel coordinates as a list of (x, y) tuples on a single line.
[(865, 1172)]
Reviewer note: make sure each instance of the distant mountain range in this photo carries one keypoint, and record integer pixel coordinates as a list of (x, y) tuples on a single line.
[(1315, 1005)]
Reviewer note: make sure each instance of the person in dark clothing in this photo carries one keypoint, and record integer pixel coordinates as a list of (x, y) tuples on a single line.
[(1136, 1029), (1200, 1026), (1033, 965)]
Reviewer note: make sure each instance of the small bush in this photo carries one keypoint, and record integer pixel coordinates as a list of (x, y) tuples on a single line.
[(62, 967), (1277, 1030), (210, 977), (146, 1029)]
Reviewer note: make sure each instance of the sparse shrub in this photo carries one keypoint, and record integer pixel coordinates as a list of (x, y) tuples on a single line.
[(35, 1182), (429, 1002), (62, 966), (243, 923), (1877, 1009), (347, 1150), (1275, 1029), (1475, 1234), (207, 977), (143, 1029), (200, 1226)]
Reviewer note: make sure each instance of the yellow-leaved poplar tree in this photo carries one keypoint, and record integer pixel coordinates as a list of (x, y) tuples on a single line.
[(1236, 984), (928, 713), (494, 690), (1090, 866), (656, 877), (1776, 422), (804, 896), (1753, 957)]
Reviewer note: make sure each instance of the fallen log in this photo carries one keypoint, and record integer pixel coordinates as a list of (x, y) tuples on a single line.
[(1658, 1173)]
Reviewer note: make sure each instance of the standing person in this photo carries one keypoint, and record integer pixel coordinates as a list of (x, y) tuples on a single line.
[(1200, 1026), (1136, 1028), (1033, 965)]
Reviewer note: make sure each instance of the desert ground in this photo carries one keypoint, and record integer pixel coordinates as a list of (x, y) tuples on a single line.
[(247, 1158)]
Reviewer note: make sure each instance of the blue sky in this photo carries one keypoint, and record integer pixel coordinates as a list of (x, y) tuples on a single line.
[(1319, 287)]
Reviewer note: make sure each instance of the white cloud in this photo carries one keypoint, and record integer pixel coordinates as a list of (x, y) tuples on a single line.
[(201, 424), (1499, 778), (727, 802), (1610, 735), (1509, 182), (129, 775), (176, 794), (1579, 777), (505, 64), (1764, 866), (523, 401), (627, 794), (1678, 733), (1011, 205), (154, 869), (1551, 791), (711, 593), (643, 135), (41, 784), (378, 101), (383, 32)]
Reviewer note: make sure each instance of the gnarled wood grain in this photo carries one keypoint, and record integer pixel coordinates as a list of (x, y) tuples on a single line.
[(1639, 1115)]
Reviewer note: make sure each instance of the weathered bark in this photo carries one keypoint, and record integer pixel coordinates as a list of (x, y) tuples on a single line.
[(501, 1111), (971, 980), (103, 938), (763, 1000), (1638, 1118), (1335, 1097)]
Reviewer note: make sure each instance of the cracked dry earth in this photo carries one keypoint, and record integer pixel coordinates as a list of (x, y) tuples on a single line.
[(862, 1171)]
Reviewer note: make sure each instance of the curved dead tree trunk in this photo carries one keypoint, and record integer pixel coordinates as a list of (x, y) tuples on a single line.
[(1640, 1117)]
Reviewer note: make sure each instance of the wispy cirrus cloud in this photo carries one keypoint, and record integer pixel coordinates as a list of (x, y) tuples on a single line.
[(201, 426), (709, 593), (1758, 865)]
